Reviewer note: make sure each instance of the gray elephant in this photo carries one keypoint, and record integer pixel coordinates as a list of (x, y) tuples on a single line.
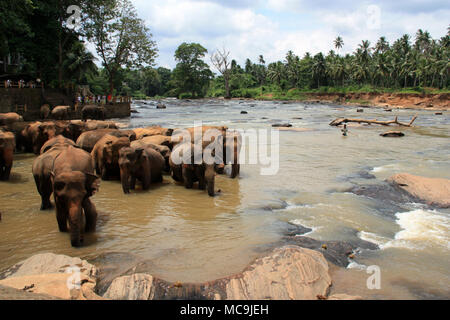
[(184, 169), (93, 112), (7, 146), (143, 164), (61, 113)]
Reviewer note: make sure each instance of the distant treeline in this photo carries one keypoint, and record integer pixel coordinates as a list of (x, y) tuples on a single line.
[(38, 40)]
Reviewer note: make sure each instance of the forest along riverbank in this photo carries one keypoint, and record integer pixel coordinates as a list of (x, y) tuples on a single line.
[(186, 236), (437, 102)]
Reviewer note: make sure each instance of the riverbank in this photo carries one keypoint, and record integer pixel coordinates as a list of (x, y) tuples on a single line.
[(432, 102)]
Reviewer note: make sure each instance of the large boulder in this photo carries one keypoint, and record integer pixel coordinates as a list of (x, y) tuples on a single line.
[(287, 273), (134, 287), (54, 275), (432, 191)]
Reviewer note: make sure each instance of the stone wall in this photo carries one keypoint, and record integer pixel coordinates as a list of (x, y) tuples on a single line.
[(11, 97)]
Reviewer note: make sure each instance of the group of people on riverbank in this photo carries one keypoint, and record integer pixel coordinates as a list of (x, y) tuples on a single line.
[(21, 84)]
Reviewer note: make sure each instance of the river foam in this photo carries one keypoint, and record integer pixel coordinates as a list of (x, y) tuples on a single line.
[(419, 229)]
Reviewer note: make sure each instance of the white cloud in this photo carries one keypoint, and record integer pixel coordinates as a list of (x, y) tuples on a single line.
[(269, 27)]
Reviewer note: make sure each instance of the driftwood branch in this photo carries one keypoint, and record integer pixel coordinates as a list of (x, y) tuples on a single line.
[(340, 121)]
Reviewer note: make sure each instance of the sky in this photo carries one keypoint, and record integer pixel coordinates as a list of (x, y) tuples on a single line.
[(273, 27)]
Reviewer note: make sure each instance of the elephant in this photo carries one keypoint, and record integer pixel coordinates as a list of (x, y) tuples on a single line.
[(7, 146), (93, 112), (10, 118), (87, 140), (158, 140), (106, 155), (189, 172), (178, 138), (42, 168), (61, 113), (59, 140), (163, 150), (74, 182), (45, 112), (231, 152), (145, 164), (37, 133), (96, 124), (16, 128), (152, 131)]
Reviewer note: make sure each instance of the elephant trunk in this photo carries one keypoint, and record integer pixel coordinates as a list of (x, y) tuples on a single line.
[(75, 222), (125, 179), (210, 177)]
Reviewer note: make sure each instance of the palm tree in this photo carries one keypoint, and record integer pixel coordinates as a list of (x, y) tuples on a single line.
[(79, 62), (318, 68), (338, 43)]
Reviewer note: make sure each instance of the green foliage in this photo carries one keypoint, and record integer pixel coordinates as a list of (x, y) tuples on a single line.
[(185, 95), (122, 40), (192, 74)]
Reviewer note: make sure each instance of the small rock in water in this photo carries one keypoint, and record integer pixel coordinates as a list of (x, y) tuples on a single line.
[(360, 110), (438, 113), (244, 112), (388, 110), (392, 134), (324, 246), (161, 106), (282, 125)]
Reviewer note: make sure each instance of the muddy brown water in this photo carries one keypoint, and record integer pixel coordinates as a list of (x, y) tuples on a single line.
[(190, 237)]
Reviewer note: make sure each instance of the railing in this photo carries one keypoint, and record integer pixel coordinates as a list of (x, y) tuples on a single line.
[(20, 84)]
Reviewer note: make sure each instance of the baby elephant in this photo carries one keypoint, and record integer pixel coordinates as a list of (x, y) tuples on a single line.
[(106, 155), (145, 164), (74, 183), (189, 172)]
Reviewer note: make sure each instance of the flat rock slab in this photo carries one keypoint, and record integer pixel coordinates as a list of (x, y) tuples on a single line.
[(8, 293), (287, 273), (433, 191), (54, 275)]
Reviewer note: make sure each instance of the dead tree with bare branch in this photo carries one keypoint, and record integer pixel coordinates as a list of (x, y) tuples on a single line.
[(220, 60)]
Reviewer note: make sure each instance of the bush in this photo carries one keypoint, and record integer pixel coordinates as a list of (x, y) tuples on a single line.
[(185, 95)]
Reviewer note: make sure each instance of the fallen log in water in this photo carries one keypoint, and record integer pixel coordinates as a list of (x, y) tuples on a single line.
[(340, 121)]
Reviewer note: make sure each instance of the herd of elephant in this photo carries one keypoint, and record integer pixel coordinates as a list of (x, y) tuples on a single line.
[(74, 155), (95, 112)]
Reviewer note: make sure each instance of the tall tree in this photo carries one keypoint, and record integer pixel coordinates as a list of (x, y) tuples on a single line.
[(121, 38), (191, 74)]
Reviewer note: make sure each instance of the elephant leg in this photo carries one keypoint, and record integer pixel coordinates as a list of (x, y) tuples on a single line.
[(7, 173), (90, 213), (104, 174), (133, 182), (235, 168), (44, 186), (61, 217), (201, 183)]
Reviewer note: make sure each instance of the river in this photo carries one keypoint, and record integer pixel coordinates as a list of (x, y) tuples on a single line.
[(190, 237)]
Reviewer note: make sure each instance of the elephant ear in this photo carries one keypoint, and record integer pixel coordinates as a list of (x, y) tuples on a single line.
[(92, 184)]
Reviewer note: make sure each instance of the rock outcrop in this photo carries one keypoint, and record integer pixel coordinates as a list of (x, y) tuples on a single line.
[(54, 275), (433, 191), (287, 273)]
